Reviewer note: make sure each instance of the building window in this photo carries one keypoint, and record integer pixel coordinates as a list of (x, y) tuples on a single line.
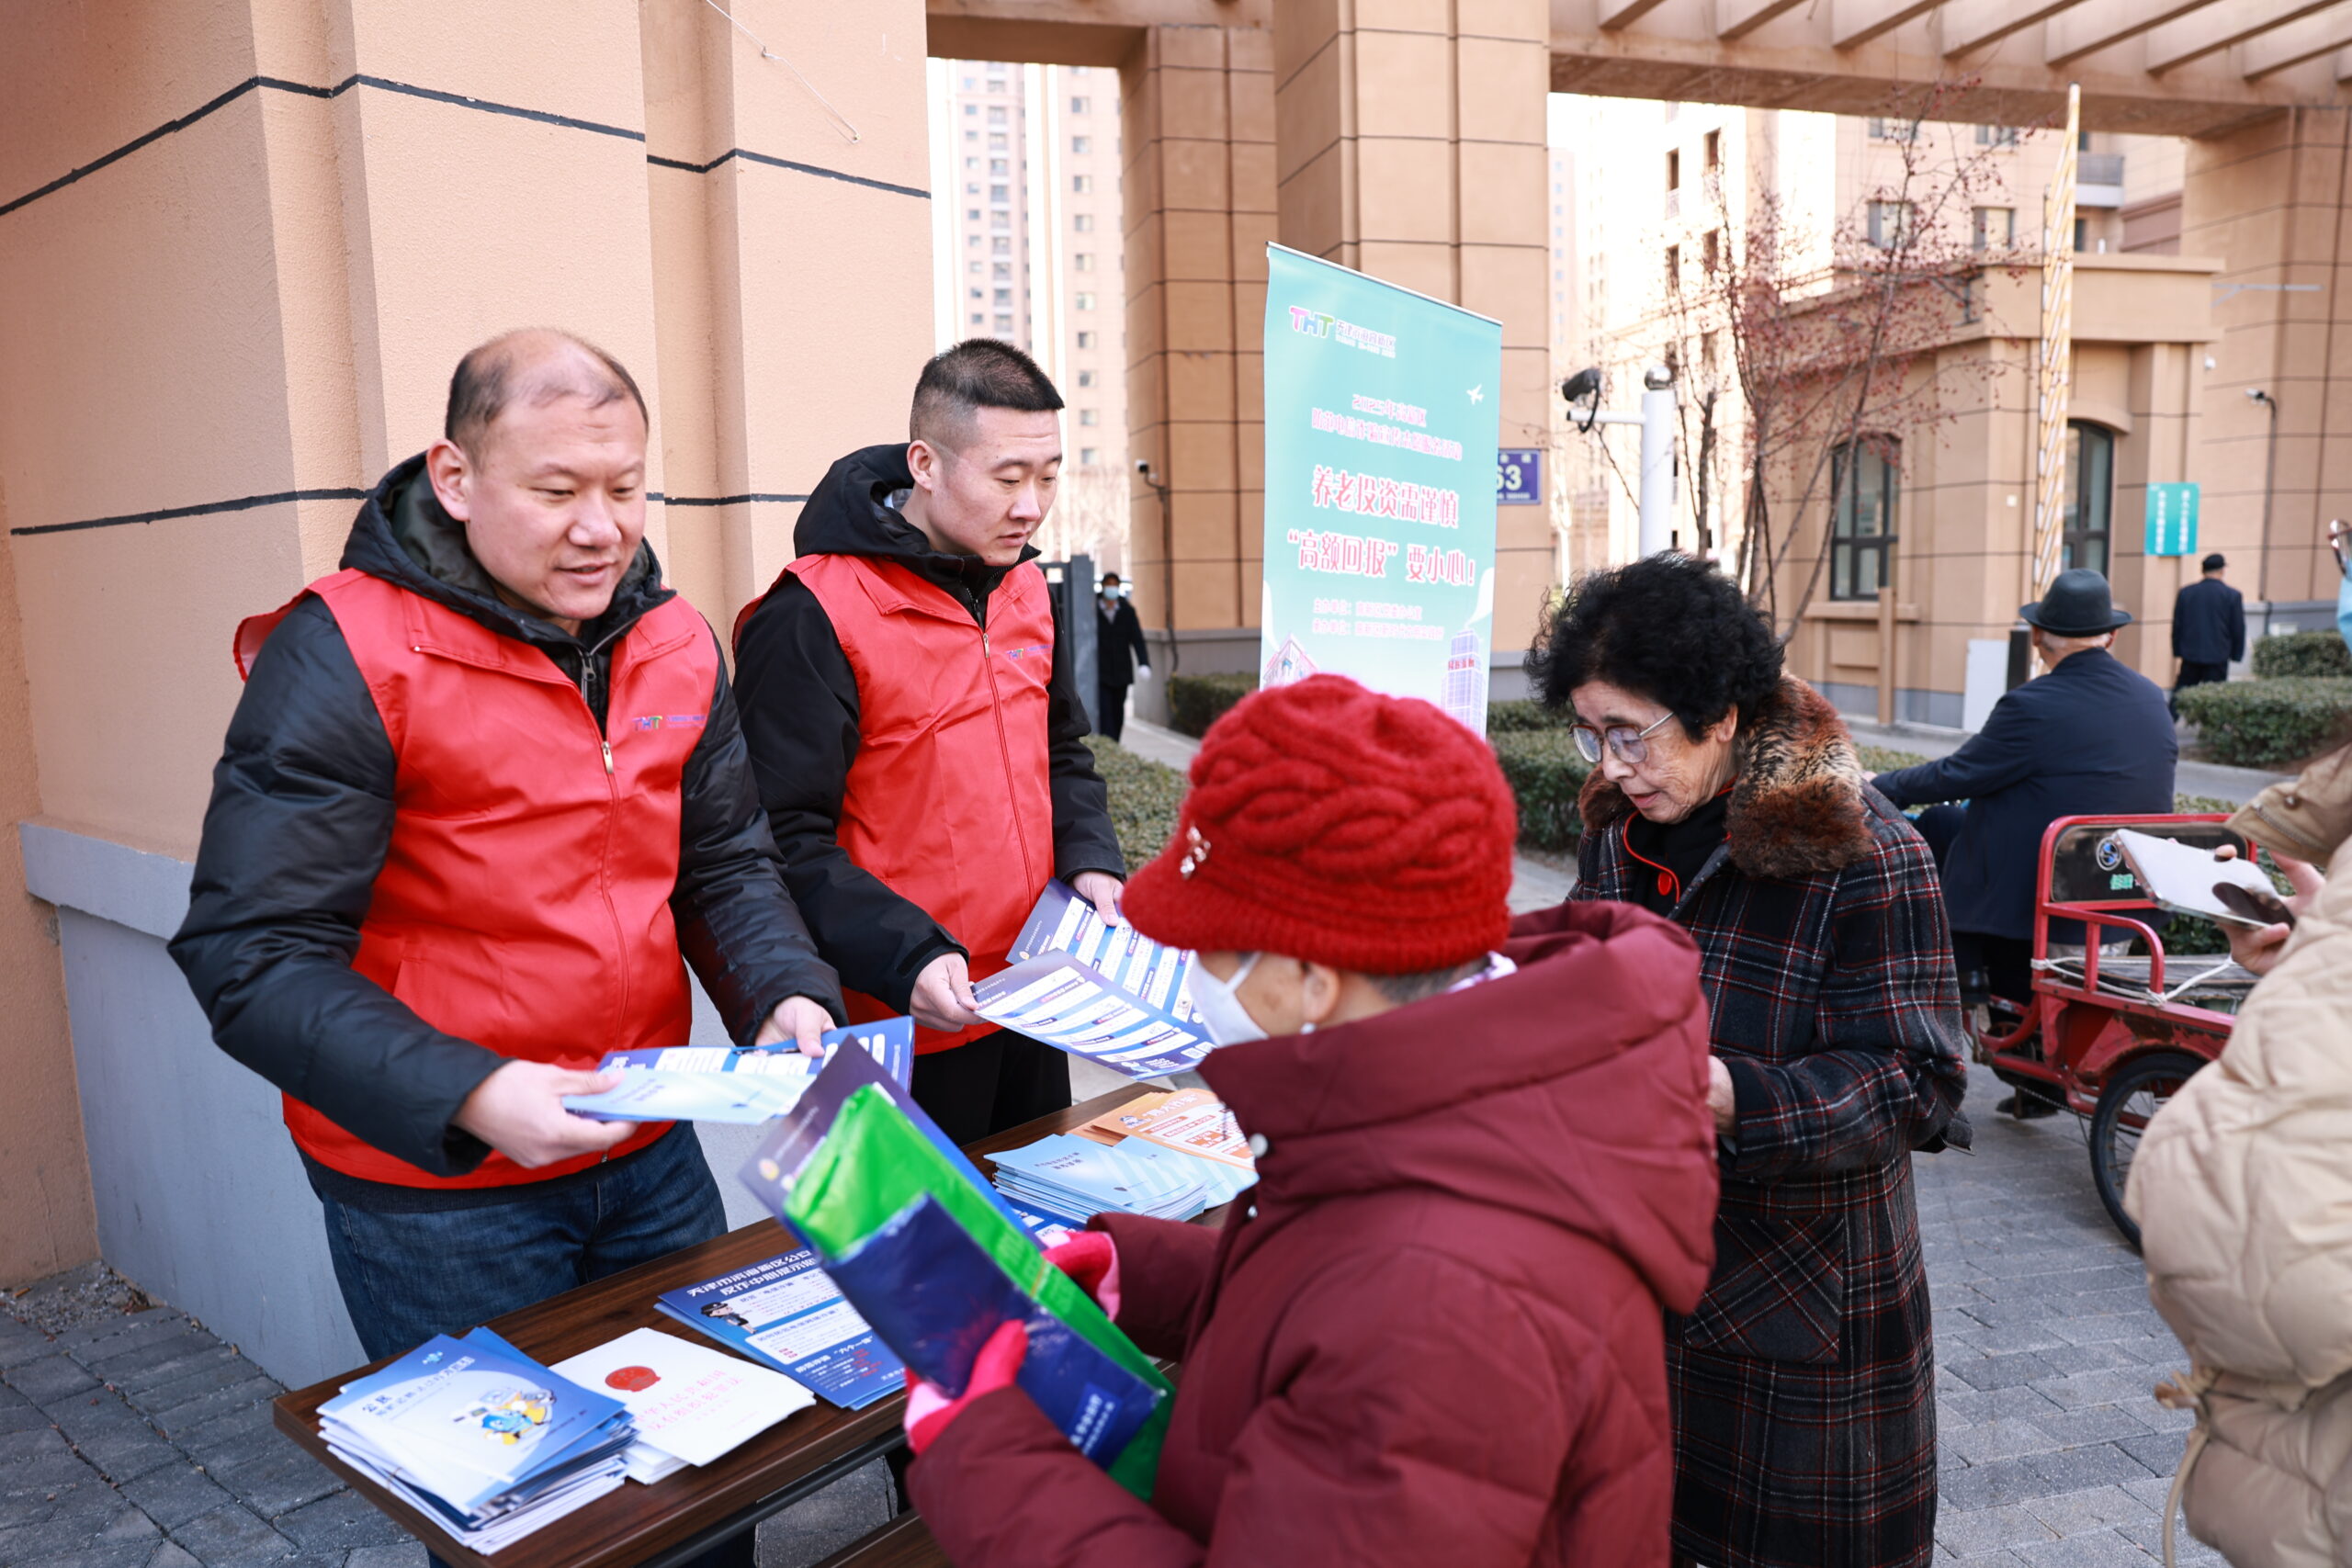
[(997, 115), (972, 164), (1004, 297), (1711, 251), (999, 167), (1083, 301), (976, 266), (971, 136), (1000, 246), (1004, 323), (1992, 228), (1088, 455), (1895, 130), (1080, 146), (1674, 269), (1082, 222), (972, 214), (978, 320), (1081, 106), (1000, 218), (1086, 377), (1861, 550), (977, 294), (1086, 340), (1000, 142), (1081, 184), (1089, 416), (1711, 153), (1996, 136), (971, 109), (1004, 271), (2082, 233), (2090, 465), (1082, 261), (999, 195), (1673, 169), (971, 242), (1889, 224)]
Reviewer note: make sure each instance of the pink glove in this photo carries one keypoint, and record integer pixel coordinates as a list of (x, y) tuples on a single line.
[(1091, 1258), (929, 1410)]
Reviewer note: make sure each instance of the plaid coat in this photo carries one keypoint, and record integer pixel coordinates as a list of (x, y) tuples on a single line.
[(1803, 1386)]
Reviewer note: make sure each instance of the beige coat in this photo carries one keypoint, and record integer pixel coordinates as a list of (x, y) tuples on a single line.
[(2243, 1191)]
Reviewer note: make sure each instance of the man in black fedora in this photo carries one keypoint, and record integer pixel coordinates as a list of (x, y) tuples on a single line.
[(2092, 736)]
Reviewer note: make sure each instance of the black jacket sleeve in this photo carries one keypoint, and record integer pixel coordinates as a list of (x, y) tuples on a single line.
[(298, 825), (799, 717), (1131, 633), (1993, 759), (2236, 625), (1083, 837), (737, 925)]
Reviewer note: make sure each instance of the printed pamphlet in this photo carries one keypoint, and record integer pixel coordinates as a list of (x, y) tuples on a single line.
[(716, 1083), (786, 1312)]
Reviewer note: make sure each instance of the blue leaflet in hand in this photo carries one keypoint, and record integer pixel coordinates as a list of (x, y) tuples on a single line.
[(719, 1083), (935, 1297)]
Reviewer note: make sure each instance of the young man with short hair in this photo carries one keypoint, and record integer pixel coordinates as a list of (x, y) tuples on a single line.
[(1434, 1331), (917, 731)]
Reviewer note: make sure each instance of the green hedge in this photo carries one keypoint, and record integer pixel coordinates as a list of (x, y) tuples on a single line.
[(2301, 653), (1195, 702), (1545, 772), (1519, 716), (1144, 798), (2258, 724)]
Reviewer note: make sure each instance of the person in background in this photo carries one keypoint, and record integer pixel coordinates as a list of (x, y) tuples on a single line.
[(484, 790), (2091, 736), (2240, 1186), (1726, 797), (917, 731), (2208, 628), (1119, 654), (1431, 1333)]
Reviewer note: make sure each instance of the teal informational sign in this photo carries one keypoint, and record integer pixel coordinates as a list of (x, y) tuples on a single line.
[(2172, 520), (1382, 414)]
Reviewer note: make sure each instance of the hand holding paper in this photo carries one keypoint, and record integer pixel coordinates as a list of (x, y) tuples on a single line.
[(1091, 1259), (522, 1110)]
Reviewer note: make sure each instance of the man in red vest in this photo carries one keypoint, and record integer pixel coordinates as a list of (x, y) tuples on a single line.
[(485, 787), (917, 731)]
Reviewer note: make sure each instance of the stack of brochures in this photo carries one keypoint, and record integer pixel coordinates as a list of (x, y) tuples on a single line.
[(1077, 1176), (715, 1083), (482, 1439)]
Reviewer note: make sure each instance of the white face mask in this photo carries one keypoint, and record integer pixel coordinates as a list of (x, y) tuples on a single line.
[(1222, 1014)]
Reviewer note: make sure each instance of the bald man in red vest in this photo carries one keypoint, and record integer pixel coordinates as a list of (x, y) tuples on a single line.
[(917, 731), (484, 791)]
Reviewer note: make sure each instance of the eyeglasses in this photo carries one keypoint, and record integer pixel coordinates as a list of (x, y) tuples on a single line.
[(1631, 746), (2339, 539)]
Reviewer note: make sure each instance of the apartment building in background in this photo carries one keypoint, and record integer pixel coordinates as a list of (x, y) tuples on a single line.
[(1029, 250), (1653, 201)]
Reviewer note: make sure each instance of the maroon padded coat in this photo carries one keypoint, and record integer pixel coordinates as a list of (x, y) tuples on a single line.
[(1437, 1336)]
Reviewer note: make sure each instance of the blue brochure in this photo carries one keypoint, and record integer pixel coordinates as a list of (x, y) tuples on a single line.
[(798, 1133), (935, 1297), (786, 1312), (749, 1084)]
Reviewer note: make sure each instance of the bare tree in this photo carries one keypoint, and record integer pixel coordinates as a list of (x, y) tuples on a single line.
[(1088, 517)]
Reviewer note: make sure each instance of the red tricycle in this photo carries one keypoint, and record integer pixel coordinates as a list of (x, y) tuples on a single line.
[(2116, 1024)]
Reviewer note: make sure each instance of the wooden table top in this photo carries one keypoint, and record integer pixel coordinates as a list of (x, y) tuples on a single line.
[(636, 1523)]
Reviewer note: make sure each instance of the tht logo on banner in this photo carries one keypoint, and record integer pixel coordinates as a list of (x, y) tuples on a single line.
[(1322, 324), (674, 720)]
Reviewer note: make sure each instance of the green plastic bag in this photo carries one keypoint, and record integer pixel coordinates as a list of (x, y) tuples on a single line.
[(874, 1163)]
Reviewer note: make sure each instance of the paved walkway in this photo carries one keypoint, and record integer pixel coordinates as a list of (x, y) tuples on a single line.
[(2055, 1453)]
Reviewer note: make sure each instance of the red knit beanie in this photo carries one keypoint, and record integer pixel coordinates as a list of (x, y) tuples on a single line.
[(1330, 823)]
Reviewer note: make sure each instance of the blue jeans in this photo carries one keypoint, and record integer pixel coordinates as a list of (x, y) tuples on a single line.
[(407, 1276)]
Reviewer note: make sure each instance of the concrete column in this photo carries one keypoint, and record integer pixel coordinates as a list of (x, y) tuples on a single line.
[(2270, 201), (790, 267), (1411, 147), (1197, 110)]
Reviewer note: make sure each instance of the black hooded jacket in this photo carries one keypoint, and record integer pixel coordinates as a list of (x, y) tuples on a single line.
[(301, 821), (801, 719)]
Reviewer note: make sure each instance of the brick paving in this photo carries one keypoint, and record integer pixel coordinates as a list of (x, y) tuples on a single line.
[(141, 1441), (2055, 1453)]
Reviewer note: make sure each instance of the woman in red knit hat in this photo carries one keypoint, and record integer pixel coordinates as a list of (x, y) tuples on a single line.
[(1433, 1333)]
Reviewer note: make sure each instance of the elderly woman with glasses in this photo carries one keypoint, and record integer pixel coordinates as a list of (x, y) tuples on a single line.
[(1726, 797)]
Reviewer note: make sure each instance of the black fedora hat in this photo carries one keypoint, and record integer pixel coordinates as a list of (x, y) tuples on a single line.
[(2076, 605)]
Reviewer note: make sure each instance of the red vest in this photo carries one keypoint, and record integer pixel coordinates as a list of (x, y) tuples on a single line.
[(523, 903), (949, 802)]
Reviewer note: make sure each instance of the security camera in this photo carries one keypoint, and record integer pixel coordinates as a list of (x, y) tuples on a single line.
[(1585, 383), (1143, 465)]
